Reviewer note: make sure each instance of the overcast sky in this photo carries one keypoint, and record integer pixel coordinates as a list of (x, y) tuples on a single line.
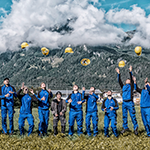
[(98, 22)]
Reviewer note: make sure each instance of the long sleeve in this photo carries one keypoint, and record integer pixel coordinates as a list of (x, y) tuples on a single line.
[(131, 78), (50, 95), (2, 96), (10, 97), (53, 108), (103, 105), (34, 98), (120, 81), (96, 96), (64, 107), (68, 98), (116, 105), (148, 87), (14, 90), (19, 95), (137, 88), (83, 95), (37, 97)]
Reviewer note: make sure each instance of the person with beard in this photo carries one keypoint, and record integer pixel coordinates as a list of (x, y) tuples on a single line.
[(26, 109), (91, 111), (128, 104), (75, 100), (110, 106), (7, 105), (144, 104), (43, 108), (59, 108)]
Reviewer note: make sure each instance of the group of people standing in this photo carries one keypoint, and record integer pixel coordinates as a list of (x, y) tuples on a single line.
[(75, 99)]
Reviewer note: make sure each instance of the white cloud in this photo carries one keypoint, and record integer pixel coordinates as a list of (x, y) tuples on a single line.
[(137, 17), (28, 18), (92, 26)]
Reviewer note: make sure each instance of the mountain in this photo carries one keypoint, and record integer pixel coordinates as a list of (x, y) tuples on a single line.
[(61, 71)]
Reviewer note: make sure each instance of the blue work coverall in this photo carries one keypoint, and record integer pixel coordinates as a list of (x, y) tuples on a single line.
[(128, 104), (145, 106), (75, 112), (7, 104), (43, 110), (26, 112), (91, 112), (110, 115)]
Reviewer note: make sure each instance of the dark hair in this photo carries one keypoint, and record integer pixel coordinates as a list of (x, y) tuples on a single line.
[(6, 79), (58, 93)]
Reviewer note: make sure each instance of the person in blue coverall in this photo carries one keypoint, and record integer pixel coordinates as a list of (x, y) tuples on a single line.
[(26, 109), (7, 104), (75, 99), (43, 108), (91, 111), (110, 106), (144, 104), (128, 104)]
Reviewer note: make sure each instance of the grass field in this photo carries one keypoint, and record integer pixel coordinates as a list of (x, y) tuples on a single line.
[(128, 141)]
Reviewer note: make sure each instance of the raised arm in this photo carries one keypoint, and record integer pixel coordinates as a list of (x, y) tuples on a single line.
[(68, 100), (119, 78), (135, 85), (50, 93), (35, 97), (131, 75)]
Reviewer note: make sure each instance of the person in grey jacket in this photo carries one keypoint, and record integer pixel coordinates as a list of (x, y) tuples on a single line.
[(58, 108)]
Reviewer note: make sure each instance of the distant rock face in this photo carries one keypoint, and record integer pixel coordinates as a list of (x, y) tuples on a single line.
[(62, 71)]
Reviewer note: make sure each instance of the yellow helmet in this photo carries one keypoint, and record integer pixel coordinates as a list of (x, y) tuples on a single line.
[(24, 45), (121, 63), (138, 50), (45, 51), (85, 61), (69, 50)]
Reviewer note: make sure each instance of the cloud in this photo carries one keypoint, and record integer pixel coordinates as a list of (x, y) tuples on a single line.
[(136, 16), (28, 19), (32, 20)]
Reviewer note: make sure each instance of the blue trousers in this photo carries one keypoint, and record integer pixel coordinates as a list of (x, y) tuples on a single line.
[(129, 106), (10, 110), (21, 121), (44, 118), (145, 113), (94, 117), (78, 115), (113, 119)]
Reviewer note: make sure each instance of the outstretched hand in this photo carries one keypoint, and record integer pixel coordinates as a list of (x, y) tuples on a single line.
[(7, 95), (49, 90), (43, 98), (70, 100), (130, 68), (22, 87), (117, 70), (83, 88), (31, 91), (146, 80), (79, 102)]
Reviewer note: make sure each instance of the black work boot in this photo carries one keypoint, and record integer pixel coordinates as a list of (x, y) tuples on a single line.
[(63, 129), (136, 131), (55, 130), (124, 130)]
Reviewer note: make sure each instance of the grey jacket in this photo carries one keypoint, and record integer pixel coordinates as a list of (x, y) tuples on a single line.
[(54, 107)]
